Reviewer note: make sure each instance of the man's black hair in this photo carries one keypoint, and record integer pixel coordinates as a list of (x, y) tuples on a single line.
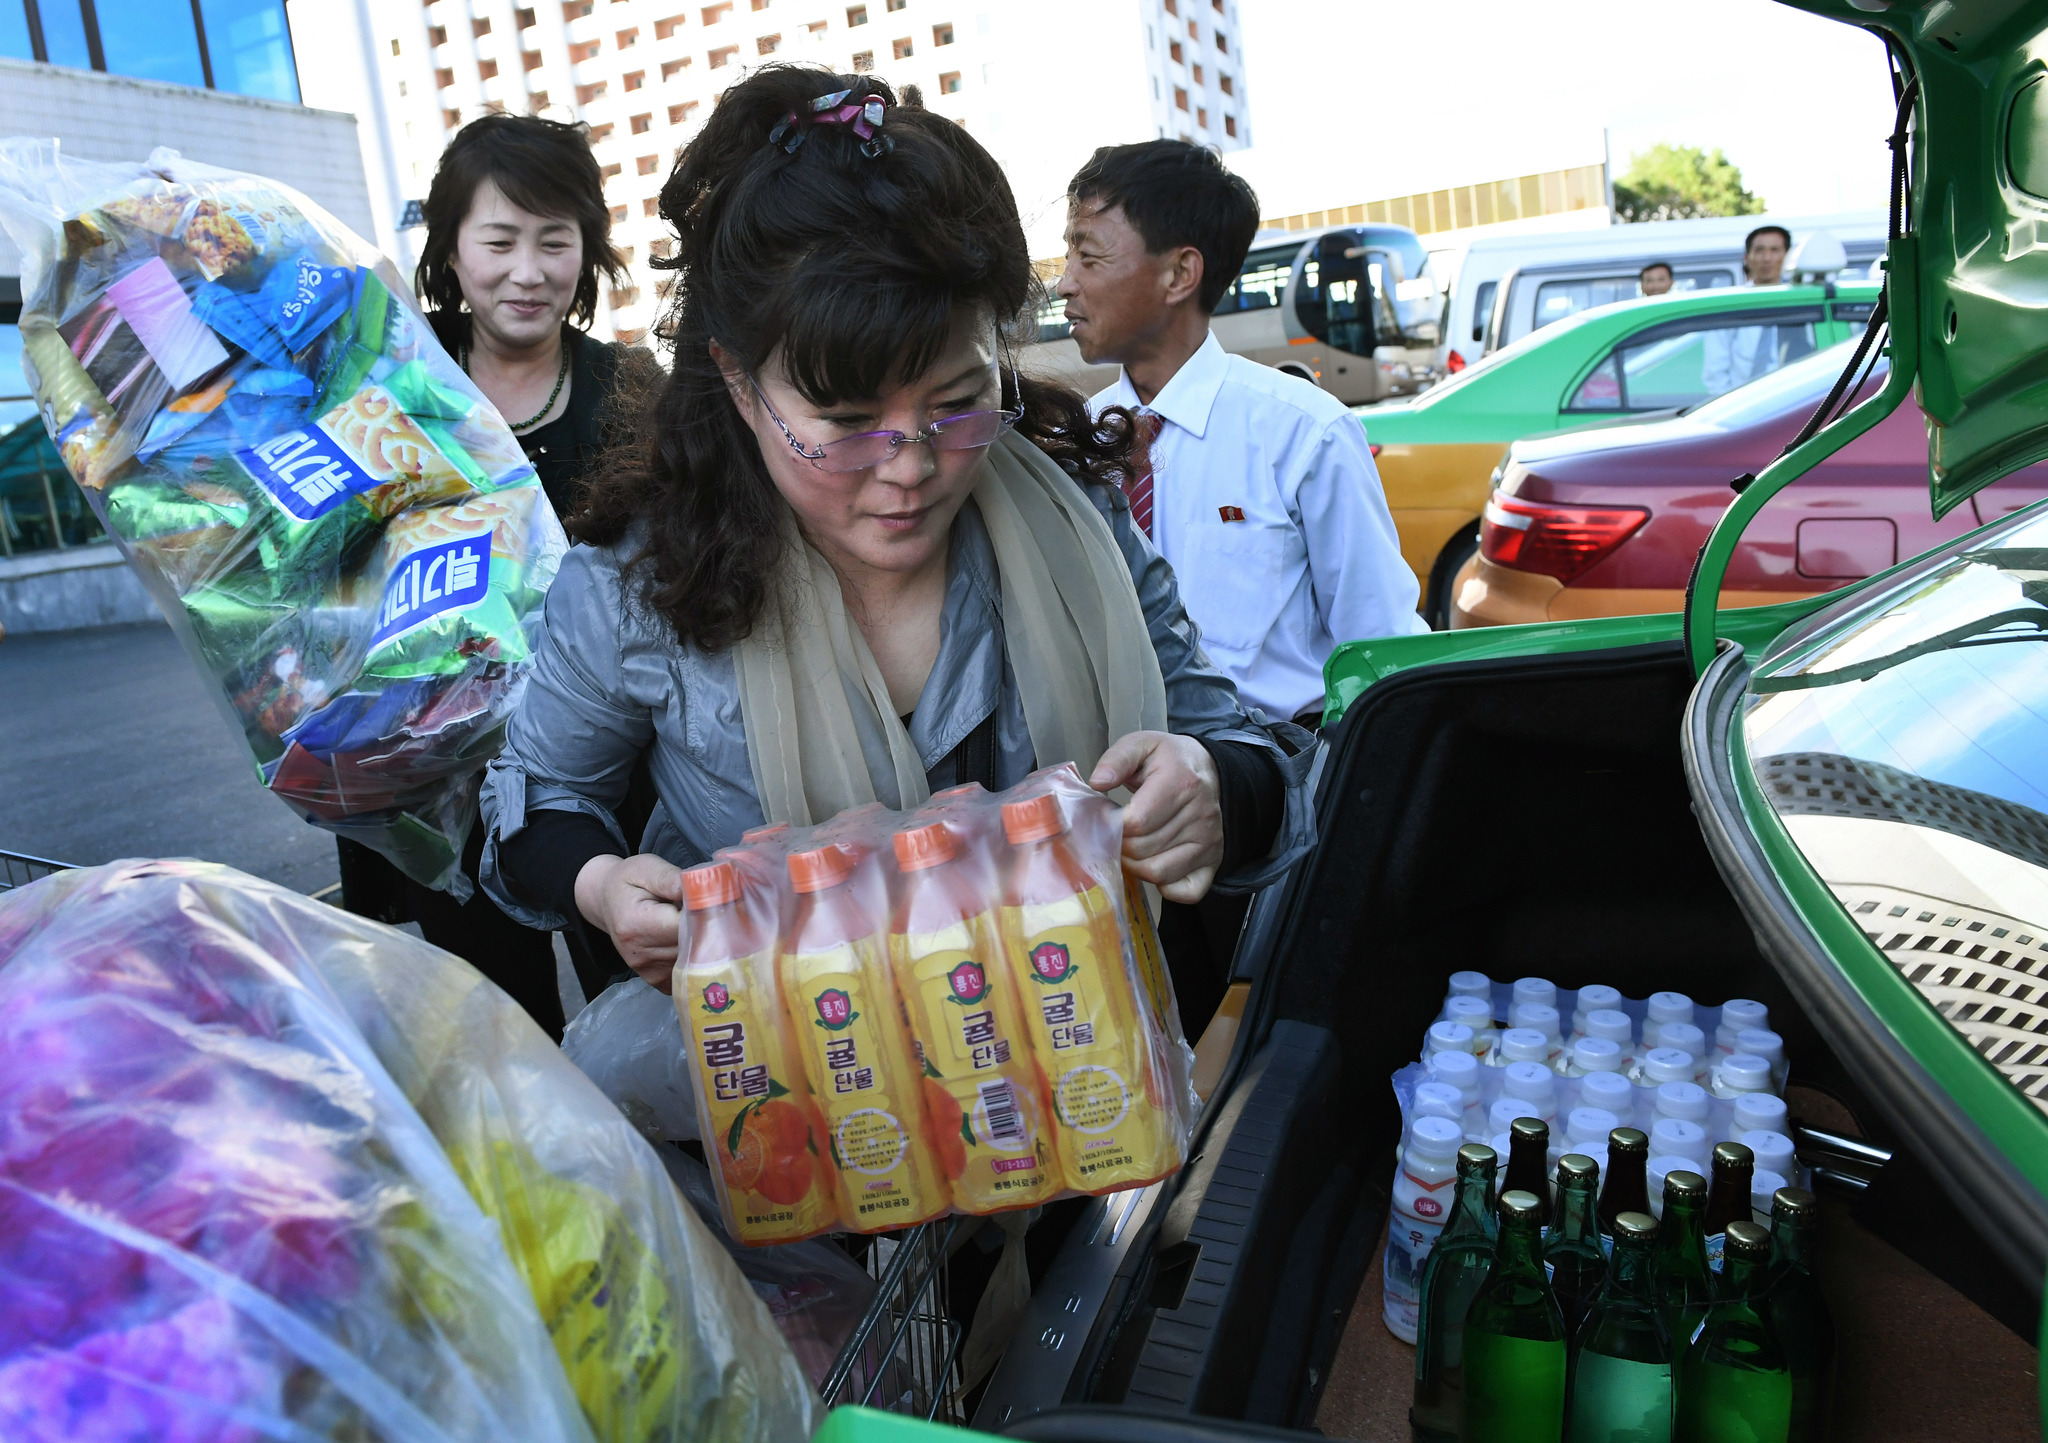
[(1664, 266), (1777, 230), (1176, 194)]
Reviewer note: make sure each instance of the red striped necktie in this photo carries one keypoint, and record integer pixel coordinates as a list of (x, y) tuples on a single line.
[(1139, 486)]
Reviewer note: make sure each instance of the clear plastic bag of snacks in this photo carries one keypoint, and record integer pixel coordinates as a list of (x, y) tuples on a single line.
[(270, 1170), (895, 1015), (341, 529)]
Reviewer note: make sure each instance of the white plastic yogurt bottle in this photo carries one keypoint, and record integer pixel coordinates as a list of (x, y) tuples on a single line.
[(1684, 1037), (1434, 1099), (1773, 1151), (1446, 1037), (1687, 1101), (1664, 1064), (1522, 1044), (1587, 1128), (1617, 1027), (1664, 1007), (1761, 1042), (1758, 1111), (1540, 990), (1470, 984), (1478, 1016), (1611, 1091), (1598, 997), (1763, 1186), (1738, 1073), (1531, 1082), (1501, 1116), (1423, 1189), (1675, 1137), (1737, 1015), (1537, 1017), (1592, 1054)]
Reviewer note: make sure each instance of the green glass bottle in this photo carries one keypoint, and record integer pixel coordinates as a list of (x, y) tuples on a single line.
[(1621, 1383), (1679, 1278), (1571, 1245), (1733, 1380), (1459, 1263), (1514, 1339), (1529, 1162), (1798, 1312)]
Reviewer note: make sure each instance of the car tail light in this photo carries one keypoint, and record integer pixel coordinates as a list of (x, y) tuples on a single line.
[(1375, 448), (1559, 541), (1455, 364)]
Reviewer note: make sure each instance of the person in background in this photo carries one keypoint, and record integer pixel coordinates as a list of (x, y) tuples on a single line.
[(1257, 486), (517, 236), (1763, 255), (1654, 279)]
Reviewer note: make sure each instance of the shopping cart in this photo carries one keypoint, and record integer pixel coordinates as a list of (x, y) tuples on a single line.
[(904, 1354), (18, 870)]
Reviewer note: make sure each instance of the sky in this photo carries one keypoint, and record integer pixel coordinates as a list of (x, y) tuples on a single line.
[(1353, 100)]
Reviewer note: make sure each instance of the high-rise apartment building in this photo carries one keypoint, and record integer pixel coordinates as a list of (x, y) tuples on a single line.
[(1040, 82)]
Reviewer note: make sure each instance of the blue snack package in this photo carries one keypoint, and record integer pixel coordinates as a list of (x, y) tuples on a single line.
[(301, 297)]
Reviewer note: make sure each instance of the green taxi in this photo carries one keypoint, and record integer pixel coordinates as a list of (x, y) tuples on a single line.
[(1437, 452)]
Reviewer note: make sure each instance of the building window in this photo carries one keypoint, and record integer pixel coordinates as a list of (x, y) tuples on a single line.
[(1194, 31), (681, 114), (538, 101), (817, 32), (660, 248), (580, 53), (649, 206), (629, 37), (760, 4), (480, 28), (524, 18), (629, 335), (618, 215), (494, 107), (611, 172), (942, 35), (1172, 7), (587, 93), (1230, 126), (767, 44), (715, 13), (1222, 42), (665, 287), (437, 35), (647, 164), (599, 134), (635, 79), (1180, 98), (863, 61), (949, 83), (663, 29), (670, 67), (488, 69), (444, 77), (641, 124), (1225, 84), (401, 89), (856, 15), (719, 59), (895, 5), (1218, 4), (394, 47), (40, 510), (1173, 51), (452, 119), (1198, 74), (1202, 117), (529, 60), (575, 9), (902, 48)]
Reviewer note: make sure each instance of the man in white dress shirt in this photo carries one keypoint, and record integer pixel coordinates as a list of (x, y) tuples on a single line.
[(1737, 355), (1261, 489)]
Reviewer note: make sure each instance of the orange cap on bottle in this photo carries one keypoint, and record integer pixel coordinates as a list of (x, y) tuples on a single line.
[(1033, 819), (926, 846), (819, 868), (711, 885), (759, 834)]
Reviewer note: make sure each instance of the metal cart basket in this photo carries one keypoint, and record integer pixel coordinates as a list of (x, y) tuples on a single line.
[(903, 1355), (18, 869)]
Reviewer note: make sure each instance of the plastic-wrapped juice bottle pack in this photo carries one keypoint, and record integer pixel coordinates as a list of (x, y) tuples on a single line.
[(895, 1015)]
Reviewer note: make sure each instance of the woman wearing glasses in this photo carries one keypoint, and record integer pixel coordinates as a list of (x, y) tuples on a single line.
[(856, 557)]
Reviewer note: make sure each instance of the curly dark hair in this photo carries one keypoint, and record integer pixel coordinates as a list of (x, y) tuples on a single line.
[(849, 268), (542, 166)]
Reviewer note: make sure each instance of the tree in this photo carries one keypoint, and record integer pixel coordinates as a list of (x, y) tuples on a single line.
[(1682, 182)]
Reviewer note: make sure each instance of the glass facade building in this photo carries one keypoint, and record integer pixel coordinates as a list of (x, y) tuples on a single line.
[(240, 46)]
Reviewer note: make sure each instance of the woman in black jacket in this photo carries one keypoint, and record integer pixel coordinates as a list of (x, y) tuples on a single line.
[(517, 236)]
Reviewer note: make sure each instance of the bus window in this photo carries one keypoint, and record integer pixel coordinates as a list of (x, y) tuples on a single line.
[(1259, 284), (1482, 308), (1337, 297), (1053, 324)]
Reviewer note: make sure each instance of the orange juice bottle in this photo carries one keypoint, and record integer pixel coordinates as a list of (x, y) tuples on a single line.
[(762, 1130), (838, 995), (1092, 1034), (987, 1101)]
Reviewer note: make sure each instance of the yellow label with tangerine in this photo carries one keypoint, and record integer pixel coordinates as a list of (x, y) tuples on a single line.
[(858, 1059), (762, 1137), (1091, 1035), (983, 1091)]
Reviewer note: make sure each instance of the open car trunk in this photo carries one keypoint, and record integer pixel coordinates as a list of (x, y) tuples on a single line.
[(1524, 816)]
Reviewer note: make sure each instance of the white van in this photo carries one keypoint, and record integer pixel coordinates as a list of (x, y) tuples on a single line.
[(1352, 309), (1507, 286)]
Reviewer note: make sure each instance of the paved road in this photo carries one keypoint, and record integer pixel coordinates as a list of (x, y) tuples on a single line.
[(111, 746)]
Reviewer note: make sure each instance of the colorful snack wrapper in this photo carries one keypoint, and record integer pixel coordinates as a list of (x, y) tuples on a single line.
[(341, 528)]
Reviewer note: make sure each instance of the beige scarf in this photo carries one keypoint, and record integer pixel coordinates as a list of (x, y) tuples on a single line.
[(822, 735)]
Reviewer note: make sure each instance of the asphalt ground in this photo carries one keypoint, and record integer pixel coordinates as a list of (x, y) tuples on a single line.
[(111, 745)]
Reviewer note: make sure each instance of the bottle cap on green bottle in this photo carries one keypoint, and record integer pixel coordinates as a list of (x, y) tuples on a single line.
[(1747, 1240), (1518, 1206), (1794, 1202), (1683, 1185), (1640, 1226), (1577, 1167)]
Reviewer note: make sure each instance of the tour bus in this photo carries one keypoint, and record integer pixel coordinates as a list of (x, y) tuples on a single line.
[(1351, 308), (1502, 287)]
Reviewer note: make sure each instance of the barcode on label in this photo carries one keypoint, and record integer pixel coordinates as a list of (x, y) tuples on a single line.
[(999, 1104)]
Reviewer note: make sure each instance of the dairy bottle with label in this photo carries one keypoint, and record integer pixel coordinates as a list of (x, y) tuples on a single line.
[(988, 1104), (1738, 1014), (1062, 949), (1473, 1013), (843, 1004), (1664, 1007), (763, 1133), (1596, 997), (1421, 1206)]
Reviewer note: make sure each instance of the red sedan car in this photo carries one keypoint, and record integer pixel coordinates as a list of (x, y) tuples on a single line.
[(1606, 522)]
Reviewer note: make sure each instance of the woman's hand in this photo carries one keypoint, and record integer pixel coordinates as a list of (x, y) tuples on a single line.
[(1173, 827), (634, 899)]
